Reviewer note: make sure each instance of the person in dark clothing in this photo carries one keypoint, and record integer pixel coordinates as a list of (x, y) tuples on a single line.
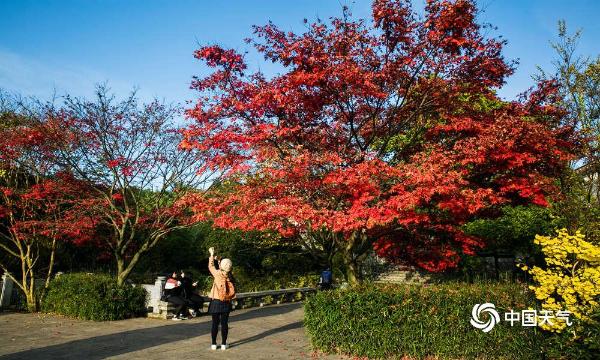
[(194, 301), (326, 279), (173, 294)]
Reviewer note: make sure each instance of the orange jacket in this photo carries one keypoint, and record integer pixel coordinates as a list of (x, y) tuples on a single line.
[(219, 276)]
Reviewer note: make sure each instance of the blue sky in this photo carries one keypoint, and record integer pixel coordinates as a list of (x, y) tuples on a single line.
[(49, 47)]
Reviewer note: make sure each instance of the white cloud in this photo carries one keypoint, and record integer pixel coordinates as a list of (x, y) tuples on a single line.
[(31, 77)]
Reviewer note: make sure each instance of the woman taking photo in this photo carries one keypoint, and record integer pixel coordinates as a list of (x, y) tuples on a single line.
[(221, 294)]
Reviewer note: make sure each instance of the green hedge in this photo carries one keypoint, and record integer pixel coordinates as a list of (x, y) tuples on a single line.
[(94, 297), (420, 321)]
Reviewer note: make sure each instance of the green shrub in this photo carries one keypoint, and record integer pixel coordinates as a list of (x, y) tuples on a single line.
[(584, 345), (419, 321), (94, 297)]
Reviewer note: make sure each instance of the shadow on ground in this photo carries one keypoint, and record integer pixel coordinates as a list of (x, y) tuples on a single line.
[(100, 347), (292, 326)]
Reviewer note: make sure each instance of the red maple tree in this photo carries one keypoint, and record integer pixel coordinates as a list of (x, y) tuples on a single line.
[(40, 206), (384, 133)]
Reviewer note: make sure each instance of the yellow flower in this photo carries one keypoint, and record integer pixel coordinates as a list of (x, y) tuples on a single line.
[(571, 279)]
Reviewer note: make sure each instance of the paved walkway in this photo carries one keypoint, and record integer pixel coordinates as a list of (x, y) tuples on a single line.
[(272, 332)]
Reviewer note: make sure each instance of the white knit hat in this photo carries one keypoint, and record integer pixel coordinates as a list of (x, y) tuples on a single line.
[(225, 265)]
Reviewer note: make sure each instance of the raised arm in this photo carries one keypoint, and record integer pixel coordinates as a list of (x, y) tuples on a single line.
[(211, 262)]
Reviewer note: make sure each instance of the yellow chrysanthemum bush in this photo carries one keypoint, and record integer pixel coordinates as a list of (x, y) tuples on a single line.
[(570, 281)]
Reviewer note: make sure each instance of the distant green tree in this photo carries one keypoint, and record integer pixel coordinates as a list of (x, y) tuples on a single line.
[(253, 253), (515, 229), (578, 78)]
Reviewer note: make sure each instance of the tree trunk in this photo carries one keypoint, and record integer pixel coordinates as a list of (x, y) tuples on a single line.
[(30, 294), (32, 303), (49, 273), (125, 272), (123, 269), (50, 264), (121, 276), (29, 282), (354, 250), (352, 271)]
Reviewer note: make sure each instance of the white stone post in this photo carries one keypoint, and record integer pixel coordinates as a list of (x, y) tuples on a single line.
[(157, 292), (6, 294)]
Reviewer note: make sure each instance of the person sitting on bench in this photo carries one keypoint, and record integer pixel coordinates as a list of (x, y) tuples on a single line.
[(173, 294), (188, 286)]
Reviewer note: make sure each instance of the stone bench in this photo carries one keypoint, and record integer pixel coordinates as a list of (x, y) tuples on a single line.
[(164, 311)]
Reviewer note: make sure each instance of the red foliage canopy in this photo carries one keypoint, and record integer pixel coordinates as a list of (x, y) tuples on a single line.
[(39, 204), (389, 128), (51, 209)]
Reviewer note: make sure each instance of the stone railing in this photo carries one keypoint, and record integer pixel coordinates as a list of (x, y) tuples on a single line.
[(260, 298), (164, 310)]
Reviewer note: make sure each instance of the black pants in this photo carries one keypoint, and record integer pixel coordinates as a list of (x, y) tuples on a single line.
[(325, 286), (195, 302), (180, 304), (222, 318)]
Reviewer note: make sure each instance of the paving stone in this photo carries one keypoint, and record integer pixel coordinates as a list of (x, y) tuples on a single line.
[(270, 332)]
